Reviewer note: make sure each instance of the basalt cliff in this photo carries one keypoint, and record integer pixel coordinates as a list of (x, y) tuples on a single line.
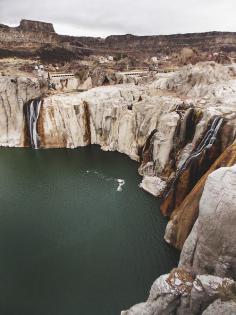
[(38, 39), (210, 41), (181, 128), (33, 38)]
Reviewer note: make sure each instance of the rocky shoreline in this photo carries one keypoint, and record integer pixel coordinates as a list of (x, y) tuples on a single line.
[(182, 129)]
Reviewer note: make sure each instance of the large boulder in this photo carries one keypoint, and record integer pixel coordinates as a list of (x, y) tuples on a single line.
[(211, 246)]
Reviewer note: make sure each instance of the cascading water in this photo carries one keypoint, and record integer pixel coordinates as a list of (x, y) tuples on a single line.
[(192, 169), (207, 142), (32, 111)]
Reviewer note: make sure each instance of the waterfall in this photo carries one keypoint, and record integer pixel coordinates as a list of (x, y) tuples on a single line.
[(32, 111), (206, 144)]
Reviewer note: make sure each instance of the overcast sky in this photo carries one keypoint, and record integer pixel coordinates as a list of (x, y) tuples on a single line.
[(140, 17)]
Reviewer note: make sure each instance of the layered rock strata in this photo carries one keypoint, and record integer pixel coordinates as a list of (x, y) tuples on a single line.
[(33, 38)]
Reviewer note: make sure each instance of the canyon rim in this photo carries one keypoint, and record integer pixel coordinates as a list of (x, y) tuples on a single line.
[(168, 102)]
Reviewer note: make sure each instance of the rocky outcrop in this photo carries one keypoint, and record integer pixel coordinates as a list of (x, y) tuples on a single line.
[(32, 38), (180, 293), (150, 123), (105, 114), (14, 93), (166, 127), (36, 26), (203, 282), (210, 248), (212, 89)]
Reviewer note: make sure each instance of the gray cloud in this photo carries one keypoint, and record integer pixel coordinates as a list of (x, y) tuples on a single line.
[(141, 17)]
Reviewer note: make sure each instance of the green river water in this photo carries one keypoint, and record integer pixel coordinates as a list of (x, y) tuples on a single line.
[(70, 243)]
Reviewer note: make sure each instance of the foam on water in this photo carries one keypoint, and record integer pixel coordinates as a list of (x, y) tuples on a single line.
[(121, 182)]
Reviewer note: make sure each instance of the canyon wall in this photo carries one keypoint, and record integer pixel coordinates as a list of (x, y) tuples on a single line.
[(181, 128), (204, 282), (26, 33), (34, 34), (31, 37), (14, 93), (161, 124), (210, 41)]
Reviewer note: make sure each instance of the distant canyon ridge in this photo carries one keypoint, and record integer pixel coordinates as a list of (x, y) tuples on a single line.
[(34, 38)]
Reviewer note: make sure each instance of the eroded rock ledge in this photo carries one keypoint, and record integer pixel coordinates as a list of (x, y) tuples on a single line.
[(181, 128)]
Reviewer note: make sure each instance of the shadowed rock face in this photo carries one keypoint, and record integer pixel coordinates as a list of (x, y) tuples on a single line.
[(184, 216), (193, 168)]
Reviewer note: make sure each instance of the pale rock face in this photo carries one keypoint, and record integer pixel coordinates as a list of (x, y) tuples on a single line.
[(163, 141), (113, 117), (211, 247), (14, 92), (154, 185), (195, 81)]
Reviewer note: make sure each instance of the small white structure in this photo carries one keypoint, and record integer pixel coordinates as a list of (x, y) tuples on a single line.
[(134, 73), (63, 81)]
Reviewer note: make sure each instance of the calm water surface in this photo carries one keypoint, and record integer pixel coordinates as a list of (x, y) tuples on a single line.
[(70, 243)]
